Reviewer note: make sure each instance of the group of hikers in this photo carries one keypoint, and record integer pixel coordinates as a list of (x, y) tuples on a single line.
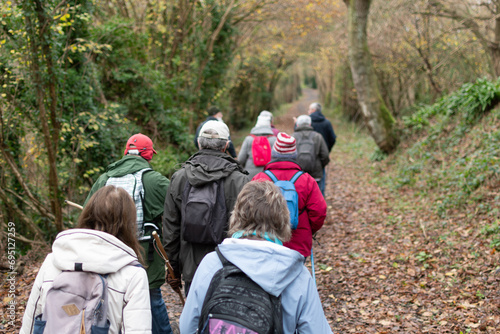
[(235, 243)]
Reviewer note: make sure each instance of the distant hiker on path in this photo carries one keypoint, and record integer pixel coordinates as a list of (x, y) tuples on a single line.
[(105, 243), (199, 200), (312, 152), (255, 151), (259, 226), (214, 114), (311, 204), (324, 127), (148, 189)]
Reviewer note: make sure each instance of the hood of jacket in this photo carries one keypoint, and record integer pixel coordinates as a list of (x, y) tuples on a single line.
[(261, 130), (317, 116), (283, 164), (127, 165), (271, 266), (209, 165), (97, 251)]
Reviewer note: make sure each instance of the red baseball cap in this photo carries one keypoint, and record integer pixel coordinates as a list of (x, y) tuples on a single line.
[(143, 144)]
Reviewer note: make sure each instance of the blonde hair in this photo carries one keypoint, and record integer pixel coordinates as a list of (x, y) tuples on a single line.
[(261, 208)]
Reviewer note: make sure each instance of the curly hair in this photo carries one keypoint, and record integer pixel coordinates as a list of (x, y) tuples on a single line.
[(260, 207)]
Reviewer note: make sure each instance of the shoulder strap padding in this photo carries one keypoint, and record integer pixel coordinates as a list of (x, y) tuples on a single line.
[(271, 175)]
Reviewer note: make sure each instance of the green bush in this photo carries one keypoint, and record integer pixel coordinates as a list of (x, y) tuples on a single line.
[(454, 152)]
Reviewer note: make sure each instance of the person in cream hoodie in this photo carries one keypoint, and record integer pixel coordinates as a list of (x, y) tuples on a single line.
[(105, 243)]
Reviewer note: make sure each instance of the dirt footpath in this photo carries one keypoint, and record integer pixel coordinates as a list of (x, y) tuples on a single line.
[(285, 122)]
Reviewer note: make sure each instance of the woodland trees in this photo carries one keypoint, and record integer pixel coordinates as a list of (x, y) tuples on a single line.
[(377, 117), (482, 18), (77, 77)]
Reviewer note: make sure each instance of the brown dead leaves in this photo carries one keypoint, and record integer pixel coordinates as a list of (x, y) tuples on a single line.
[(397, 268)]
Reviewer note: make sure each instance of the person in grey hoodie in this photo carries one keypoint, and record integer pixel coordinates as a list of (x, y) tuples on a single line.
[(259, 225), (207, 165), (318, 155), (245, 157)]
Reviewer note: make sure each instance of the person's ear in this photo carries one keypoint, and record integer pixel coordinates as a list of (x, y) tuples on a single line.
[(227, 145)]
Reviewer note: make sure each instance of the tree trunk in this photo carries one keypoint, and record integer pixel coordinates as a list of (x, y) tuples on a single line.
[(376, 115), (494, 47), (41, 51)]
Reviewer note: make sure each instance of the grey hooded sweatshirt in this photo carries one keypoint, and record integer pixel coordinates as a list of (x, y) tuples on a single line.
[(245, 157)]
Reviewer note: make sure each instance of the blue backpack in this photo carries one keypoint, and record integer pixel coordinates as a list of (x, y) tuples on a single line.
[(291, 196)]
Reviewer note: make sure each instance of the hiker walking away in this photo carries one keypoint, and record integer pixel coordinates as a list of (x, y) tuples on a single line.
[(214, 114), (270, 115), (255, 151), (148, 189), (311, 206), (259, 226), (324, 127), (312, 152), (103, 243), (198, 203)]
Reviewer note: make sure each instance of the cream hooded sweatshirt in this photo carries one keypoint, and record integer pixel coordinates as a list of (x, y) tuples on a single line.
[(102, 253)]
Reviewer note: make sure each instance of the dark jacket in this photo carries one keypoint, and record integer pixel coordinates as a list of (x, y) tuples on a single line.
[(322, 125), (203, 167), (155, 190), (230, 149), (320, 150), (312, 205)]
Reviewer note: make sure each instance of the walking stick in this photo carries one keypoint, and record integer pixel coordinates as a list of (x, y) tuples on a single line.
[(312, 266), (169, 267), (73, 204)]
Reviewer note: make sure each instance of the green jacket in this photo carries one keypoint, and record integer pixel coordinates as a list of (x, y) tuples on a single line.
[(203, 167), (155, 190)]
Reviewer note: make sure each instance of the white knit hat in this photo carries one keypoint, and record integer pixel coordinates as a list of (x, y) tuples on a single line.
[(263, 121), (266, 113)]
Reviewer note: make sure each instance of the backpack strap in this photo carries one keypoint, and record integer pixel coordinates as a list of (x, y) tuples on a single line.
[(222, 259), (143, 192), (277, 314), (296, 176), (271, 176)]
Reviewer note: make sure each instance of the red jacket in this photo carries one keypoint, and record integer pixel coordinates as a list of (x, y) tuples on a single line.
[(311, 204)]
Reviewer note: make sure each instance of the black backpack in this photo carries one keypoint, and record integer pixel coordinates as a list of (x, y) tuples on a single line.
[(306, 157), (235, 303), (204, 214)]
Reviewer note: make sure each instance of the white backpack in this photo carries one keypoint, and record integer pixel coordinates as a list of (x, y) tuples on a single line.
[(132, 183), (76, 303)]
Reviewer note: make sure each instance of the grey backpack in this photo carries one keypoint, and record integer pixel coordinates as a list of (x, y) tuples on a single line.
[(77, 303), (204, 214), (306, 157)]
